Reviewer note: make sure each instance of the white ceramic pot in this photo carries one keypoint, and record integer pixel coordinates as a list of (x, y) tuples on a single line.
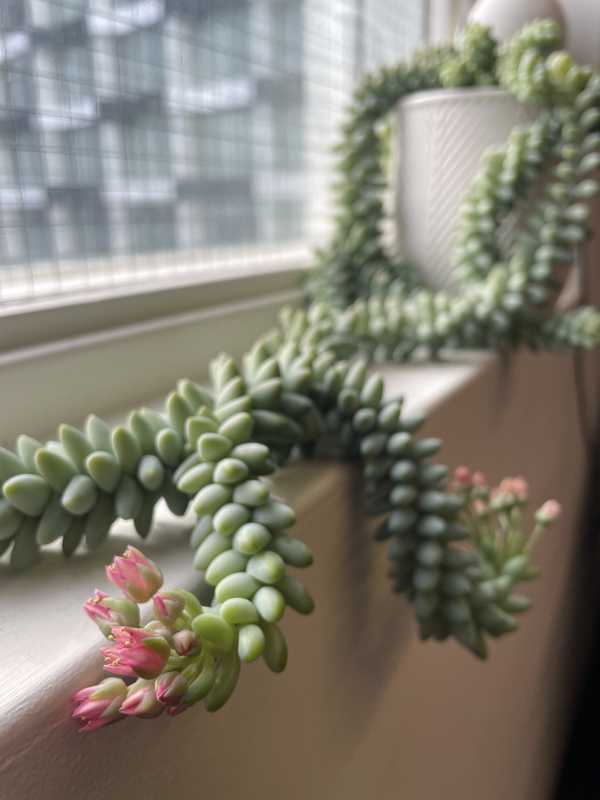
[(440, 138)]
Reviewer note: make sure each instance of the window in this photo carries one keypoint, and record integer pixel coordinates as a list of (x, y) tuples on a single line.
[(133, 129)]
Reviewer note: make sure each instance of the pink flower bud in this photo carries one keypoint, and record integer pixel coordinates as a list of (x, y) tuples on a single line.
[(184, 642), (479, 479), (136, 652), (480, 507), (158, 628), (97, 706), (141, 700), (462, 476), (516, 487), (136, 576), (170, 688), (107, 611), (167, 606), (548, 513)]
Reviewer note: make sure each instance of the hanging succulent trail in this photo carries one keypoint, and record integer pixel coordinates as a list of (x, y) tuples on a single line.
[(292, 392), (305, 388), (502, 294), (213, 446)]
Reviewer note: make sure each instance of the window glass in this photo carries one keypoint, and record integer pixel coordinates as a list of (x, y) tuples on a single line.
[(131, 129)]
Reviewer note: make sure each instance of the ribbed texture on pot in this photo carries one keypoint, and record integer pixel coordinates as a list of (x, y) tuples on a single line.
[(441, 136)]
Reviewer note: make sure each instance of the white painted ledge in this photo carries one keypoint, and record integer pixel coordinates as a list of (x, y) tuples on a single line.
[(155, 294), (108, 370), (362, 702)]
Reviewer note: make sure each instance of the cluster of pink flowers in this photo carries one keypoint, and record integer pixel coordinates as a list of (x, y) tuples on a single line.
[(511, 493), (163, 665), (135, 652), (473, 485), (464, 479)]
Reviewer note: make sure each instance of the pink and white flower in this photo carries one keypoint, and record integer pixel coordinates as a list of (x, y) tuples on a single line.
[(107, 611), (141, 700), (136, 576), (98, 705), (136, 652), (549, 512), (184, 642), (462, 477), (167, 606), (170, 688), (515, 487), (481, 508), (479, 479)]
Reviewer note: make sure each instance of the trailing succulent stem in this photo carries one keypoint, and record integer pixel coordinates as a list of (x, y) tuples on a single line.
[(503, 293), (456, 549), (212, 447)]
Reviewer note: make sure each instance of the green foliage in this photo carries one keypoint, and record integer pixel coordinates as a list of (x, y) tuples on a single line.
[(291, 393), (503, 293), (305, 388), (474, 63)]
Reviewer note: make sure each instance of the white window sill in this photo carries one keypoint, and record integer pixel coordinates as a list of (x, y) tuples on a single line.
[(133, 290), (362, 700), (105, 358)]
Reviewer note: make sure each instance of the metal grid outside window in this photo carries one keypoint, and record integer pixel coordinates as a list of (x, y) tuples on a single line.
[(147, 139)]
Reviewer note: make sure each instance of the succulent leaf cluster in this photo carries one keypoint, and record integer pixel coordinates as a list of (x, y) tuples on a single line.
[(474, 63)]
